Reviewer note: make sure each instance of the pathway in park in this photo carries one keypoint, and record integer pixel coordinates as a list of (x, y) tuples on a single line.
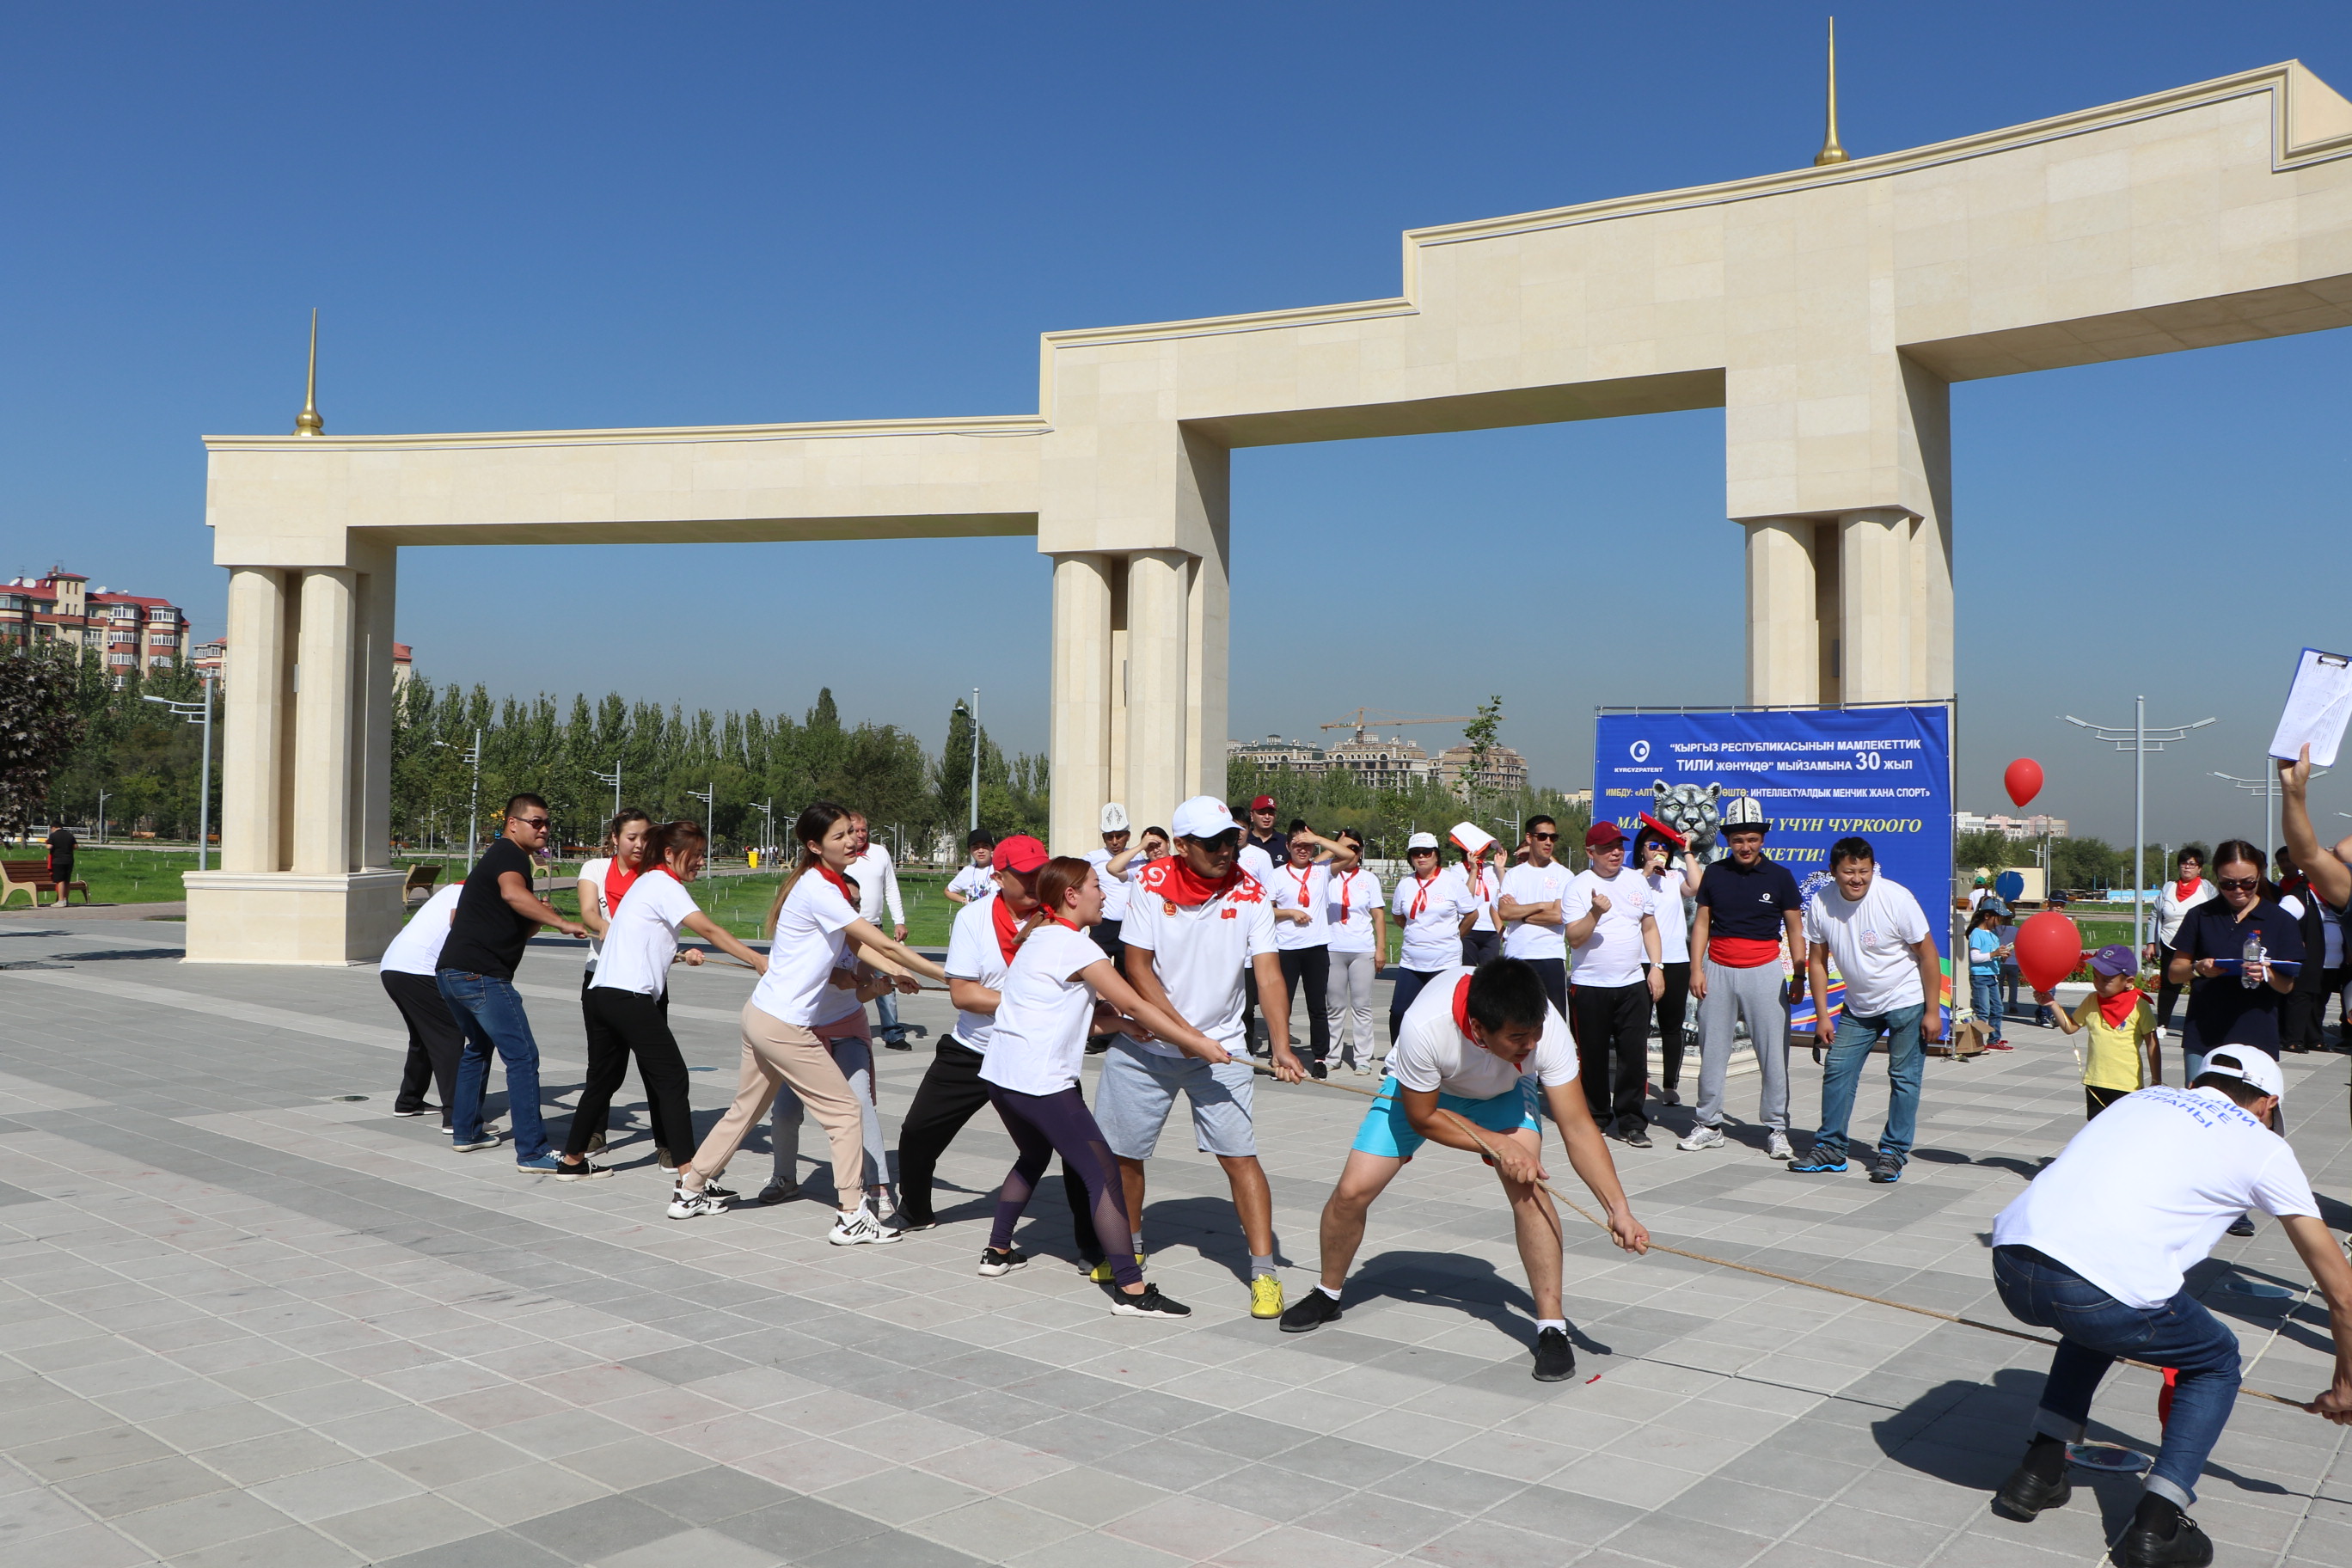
[(247, 1320)]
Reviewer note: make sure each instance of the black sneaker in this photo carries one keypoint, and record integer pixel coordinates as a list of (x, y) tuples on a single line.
[(1555, 1357), (585, 1171), (898, 1221), (2142, 1547), (1637, 1139), (1150, 1304), (724, 1194), (1310, 1312), (1668, 1096), (2026, 1493), (901, 1044), (418, 1110), (1886, 1172), (2242, 1225), (993, 1262)]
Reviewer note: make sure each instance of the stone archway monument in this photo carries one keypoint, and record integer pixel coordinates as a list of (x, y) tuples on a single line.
[(1826, 310)]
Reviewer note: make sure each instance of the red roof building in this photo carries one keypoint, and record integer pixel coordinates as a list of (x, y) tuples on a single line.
[(128, 631)]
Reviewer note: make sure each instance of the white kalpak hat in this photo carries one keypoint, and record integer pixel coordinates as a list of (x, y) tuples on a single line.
[(1202, 816), (1470, 838), (1421, 841), (2245, 1062), (1114, 819)]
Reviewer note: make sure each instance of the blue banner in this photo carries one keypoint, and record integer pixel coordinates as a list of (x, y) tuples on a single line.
[(1821, 774)]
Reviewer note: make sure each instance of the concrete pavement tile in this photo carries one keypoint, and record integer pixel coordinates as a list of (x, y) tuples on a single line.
[(338, 1489), (1564, 1515), (291, 1547), (897, 1550), (32, 1510), (901, 1496), (175, 1530), (1088, 1497), (130, 1488), (1187, 1524), (261, 1460), (701, 1548), (1484, 1543), (492, 1549), (1290, 1547), (1095, 1551), (633, 1462), (997, 1529), (798, 1529), (90, 1546), (87, 1452), (994, 1465), (510, 1497), (397, 1528), (444, 1461)]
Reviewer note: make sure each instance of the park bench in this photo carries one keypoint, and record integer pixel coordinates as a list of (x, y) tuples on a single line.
[(33, 877), (420, 880)]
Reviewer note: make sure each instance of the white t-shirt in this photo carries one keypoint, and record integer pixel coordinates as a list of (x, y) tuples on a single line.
[(1666, 892), (1199, 953), (1486, 889), (643, 936), (974, 882), (1293, 889), (417, 949), (1040, 1042), (1870, 942), (975, 954), (1531, 884), (876, 881), (592, 873), (1614, 953), (1256, 862), (1348, 905), (808, 948), (1431, 1051), (1114, 885), (1431, 914), (2144, 1191), (836, 1002)]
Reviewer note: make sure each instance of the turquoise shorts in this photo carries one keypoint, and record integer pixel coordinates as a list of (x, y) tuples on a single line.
[(1387, 1132)]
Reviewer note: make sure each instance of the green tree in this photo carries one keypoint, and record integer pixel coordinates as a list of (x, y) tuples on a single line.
[(41, 724)]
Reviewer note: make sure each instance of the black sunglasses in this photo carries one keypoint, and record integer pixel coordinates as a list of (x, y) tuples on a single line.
[(2237, 884), (1547, 838)]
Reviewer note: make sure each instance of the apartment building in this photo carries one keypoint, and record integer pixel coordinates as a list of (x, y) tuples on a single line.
[(129, 631)]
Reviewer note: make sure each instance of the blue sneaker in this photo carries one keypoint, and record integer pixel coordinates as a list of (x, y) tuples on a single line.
[(549, 1161), (1817, 1165), (1886, 1174)]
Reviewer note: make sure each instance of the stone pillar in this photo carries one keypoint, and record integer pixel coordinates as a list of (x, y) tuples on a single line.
[(1876, 595), (1205, 500), (1159, 707), (1784, 631), (1080, 718), (372, 775), (254, 722), (325, 826)]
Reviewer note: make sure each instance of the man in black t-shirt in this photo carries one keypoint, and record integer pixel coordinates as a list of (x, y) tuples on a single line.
[(1749, 914), (62, 845), (495, 915)]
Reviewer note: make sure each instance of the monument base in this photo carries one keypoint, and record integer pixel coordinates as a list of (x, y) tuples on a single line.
[(292, 916)]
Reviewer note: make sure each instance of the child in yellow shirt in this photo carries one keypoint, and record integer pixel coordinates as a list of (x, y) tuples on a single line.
[(2126, 1052)]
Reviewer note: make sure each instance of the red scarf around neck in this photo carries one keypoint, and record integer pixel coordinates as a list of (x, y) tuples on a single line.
[(1171, 878), (2182, 891), (839, 881), (2117, 1009), (618, 879)]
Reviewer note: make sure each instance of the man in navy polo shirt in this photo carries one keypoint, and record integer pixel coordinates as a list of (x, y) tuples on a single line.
[(1748, 909)]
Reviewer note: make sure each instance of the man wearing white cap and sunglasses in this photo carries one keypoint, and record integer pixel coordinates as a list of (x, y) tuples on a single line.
[(1195, 924), (2097, 1247), (1110, 863)]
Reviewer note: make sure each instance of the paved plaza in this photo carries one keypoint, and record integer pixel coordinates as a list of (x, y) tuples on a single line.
[(245, 1318)]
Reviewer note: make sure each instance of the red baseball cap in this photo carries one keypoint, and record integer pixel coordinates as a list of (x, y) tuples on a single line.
[(1262, 803), (1020, 853), (1600, 835)]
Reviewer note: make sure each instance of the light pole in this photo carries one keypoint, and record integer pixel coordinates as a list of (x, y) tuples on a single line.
[(613, 778), (2267, 787), (708, 797), (474, 805), (2139, 740), (767, 837), (101, 814), (195, 713), (975, 759)]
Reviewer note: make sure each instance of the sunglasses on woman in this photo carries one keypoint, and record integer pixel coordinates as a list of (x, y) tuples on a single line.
[(2237, 884)]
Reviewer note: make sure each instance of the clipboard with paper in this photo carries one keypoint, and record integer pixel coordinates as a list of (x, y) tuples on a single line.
[(2317, 706)]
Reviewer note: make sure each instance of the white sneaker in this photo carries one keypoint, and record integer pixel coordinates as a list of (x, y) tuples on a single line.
[(860, 1229), (683, 1204), (1778, 1148), (1702, 1137)]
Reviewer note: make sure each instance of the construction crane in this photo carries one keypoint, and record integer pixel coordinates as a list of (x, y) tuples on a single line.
[(1368, 719)]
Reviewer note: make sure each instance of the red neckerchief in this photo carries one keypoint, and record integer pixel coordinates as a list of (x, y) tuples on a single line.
[(1461, 1007), (2184, 891), (1171, 880), (840, 882), (1345, 883), (1304, 876), (1008, 926), (613, 892), (2119, 1008), (1421, 895)]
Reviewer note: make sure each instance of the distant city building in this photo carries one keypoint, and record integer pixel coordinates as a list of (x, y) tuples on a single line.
[(1274, 751), (1506, 771), (2009, 827), (1393, 763), (403, 667), (130, 631)]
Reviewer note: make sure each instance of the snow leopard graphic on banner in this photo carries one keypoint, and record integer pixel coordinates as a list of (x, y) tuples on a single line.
[(1694, 811)]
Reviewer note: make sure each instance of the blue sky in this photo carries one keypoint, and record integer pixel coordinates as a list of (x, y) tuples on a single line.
[(520, 216)]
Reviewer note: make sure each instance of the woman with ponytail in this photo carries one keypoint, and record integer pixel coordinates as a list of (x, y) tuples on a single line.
[(1034, 1055), (627, 1001), (813, 925), (603, 882)]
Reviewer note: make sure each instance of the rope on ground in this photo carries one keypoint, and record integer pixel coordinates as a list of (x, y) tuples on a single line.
[(1657, 1245)]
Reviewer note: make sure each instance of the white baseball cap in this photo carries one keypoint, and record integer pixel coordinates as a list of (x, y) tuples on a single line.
[(1114, 819), (2245, 1062), (1421, 841), (1202, 816), (1470, 838)]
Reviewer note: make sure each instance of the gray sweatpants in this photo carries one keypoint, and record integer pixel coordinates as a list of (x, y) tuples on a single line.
[(1754, 995)]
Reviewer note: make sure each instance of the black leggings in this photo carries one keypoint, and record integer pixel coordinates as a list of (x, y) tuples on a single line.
[(952, 1094), (2167, 993), (1312, 965), (627, 1024), (1042, 1126), (1672, 1007)]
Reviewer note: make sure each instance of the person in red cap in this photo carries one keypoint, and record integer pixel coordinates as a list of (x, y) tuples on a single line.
[(1614, 982)]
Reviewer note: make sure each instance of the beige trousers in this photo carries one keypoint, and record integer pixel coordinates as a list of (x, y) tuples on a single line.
[(775, 1052)]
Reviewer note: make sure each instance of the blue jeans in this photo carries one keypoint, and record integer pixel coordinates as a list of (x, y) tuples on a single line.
[(886, 1014), (1984, 995), (1848, 1051), (2094, 1329), (488, 1010)]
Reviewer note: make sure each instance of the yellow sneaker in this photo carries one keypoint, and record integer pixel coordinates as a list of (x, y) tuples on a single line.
[(1102, 1273), (1266, 1296)]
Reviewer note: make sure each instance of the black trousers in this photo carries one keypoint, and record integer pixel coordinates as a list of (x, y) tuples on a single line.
[(2166, 993), (1312, 965), (950, 1094), (1409, 982), (1479, 946), (2097, 1100), (627, 1024), (435, 1041), (2299, 1017), (1105, 935), (1612, 1051), (1555, 980), (1672, 1007)]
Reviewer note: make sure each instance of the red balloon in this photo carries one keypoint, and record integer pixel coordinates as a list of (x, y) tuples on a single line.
[(2049, 946), (2023, 780)]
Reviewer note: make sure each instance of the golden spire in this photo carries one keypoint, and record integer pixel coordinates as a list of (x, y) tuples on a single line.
[(307, 422), (1831, 152)]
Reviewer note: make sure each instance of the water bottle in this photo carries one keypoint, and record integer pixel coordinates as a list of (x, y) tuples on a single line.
[(2248, 973)]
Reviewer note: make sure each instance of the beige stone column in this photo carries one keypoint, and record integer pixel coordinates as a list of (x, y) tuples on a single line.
[(1204, 499), (1784, 631), (324, 717), (254, 721), (1080, 716), (372, 775), (1876, 594), (1159, 705)]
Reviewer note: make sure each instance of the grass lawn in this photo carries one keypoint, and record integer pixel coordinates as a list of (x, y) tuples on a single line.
[(118, 875)]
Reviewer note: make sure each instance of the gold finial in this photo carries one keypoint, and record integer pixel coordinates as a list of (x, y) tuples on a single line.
[(1831, 152), (307, 422)]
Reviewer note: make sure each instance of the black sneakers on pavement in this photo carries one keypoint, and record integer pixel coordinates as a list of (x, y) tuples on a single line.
[(1555, 1357), (1149, 1304), (2143, 1547), (2028, 1491), (1310, 1312)]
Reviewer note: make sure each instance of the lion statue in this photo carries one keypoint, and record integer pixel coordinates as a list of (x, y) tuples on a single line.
[(1695, 812)]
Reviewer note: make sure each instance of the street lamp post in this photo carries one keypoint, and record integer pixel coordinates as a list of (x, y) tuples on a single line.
[(613, 778), (202, 714), (2267, 786), (708, 797), (101, 814), (2139, 740), (474, 805), (975, 759)]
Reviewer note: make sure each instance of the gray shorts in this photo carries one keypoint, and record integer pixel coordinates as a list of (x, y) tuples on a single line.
[(1138, 1089)]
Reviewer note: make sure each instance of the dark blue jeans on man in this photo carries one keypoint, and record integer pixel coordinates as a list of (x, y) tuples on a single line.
[(2094, 1329), (1849, 1052), (488, 1009)]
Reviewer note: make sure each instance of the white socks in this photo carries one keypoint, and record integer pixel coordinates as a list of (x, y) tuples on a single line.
[(1327, 1291), (1559, 1324)]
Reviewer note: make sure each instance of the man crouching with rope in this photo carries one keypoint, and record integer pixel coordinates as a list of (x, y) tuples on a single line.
[(1474, 1050)]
